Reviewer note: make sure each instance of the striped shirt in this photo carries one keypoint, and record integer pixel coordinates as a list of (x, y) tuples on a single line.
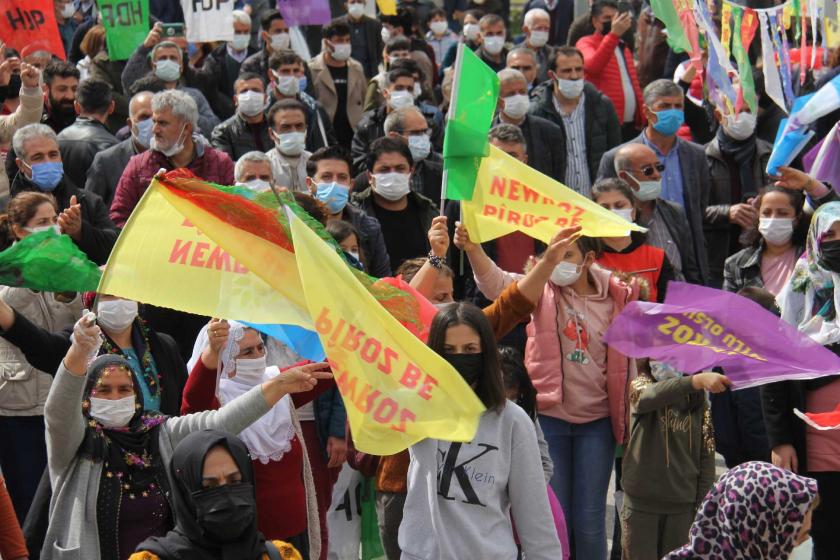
[(659, 236), (577, 167)]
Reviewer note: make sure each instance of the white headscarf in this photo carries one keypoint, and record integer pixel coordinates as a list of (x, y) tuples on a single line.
[(270, 437)]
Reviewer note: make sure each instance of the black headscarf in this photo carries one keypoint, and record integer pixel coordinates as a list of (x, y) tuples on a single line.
[(188, 540), (113, 447)]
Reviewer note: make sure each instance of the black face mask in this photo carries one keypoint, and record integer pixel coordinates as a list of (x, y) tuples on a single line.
[(606, 27), (225, 512), (468, 365), (830, 255)]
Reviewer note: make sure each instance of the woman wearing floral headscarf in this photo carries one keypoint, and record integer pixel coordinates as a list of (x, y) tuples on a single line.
[(811, 301), (107, 455), (756, 511)]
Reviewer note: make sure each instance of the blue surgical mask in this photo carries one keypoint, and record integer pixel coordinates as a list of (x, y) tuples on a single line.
[(302, 83), (47, 175), (333, 195), (143, 132), (669, 121)]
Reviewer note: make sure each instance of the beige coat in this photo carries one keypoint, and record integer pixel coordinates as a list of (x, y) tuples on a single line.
[(325, 88), (28, 112)]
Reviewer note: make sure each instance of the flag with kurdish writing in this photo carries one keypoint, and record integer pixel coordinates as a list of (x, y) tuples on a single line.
[(475, 92), (512, 196), (397, 391), (699, 328), (226, 252), (47, 261)]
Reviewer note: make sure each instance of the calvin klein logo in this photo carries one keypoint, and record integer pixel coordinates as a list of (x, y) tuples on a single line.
[(464, 475)]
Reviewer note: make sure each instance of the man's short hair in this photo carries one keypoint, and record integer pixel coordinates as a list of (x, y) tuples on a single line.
[(387, 145), (167, 45), (241, 16), (254, 156), (398, 43), (94, 96), (268, 17), (523, 50), (285, 105), (511, 74), (404, 18), (246, 76), (398, 73), (149, 82), (660, 88), (534, 13), (181, 104), (508, 134), (29, 132), (409, 64), (601, 5), (60, 69), (490, 19), (335, 28), (284, 57), (336, 152), (395, 121), (565, 50)]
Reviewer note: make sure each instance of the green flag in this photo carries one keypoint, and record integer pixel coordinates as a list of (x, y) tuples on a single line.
[(666, 12), (126, 25), (49, 262), (475, 92)]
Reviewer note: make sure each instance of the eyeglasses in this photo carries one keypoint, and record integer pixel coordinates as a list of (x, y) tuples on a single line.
[(647, 170), (426, 133)]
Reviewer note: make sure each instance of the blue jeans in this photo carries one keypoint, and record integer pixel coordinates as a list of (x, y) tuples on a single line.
[(583, 457)]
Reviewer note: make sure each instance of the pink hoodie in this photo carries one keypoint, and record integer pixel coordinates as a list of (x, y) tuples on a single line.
[(589, 396)]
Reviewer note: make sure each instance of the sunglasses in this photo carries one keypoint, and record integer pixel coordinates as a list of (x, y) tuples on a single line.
[(647, 170)]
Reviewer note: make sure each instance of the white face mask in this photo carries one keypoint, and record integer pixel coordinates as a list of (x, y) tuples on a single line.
[(565, 274), (280, 41), (113, 413), (240, 41), (39, 229), (420, 146), (494, 45), (471, 31), (250, 103), (341, 51), (626, 213), (68, 10), (776, 231), (740, 126), (438, 27), (570, 89), (354, 255), (356, 10), (291, 143), (250, 371), (538, 39), (116, 315), (648, 190), (418, 91), (287, 85), (175, 148), (662, 371), (385, 34), (391, 186), (400, 99), (516, 106), (168, 70), (256, 185)]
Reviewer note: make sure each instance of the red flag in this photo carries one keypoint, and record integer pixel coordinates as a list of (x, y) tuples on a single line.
[(30, 25), (821, 420)]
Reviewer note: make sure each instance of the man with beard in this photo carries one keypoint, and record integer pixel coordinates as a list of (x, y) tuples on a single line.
[(61, 79)]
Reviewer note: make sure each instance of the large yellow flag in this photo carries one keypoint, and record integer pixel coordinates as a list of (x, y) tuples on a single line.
[(396, 390), (510, 196), (164, 259)]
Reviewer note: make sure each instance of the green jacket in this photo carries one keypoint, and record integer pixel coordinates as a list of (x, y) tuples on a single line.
[(669, 462)]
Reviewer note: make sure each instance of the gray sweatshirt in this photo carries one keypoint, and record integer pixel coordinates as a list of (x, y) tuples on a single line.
[(461, 496), (72, 532)]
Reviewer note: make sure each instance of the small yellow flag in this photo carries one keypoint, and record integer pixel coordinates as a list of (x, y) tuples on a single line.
[(396, 390), (387, 7), (510, 196)]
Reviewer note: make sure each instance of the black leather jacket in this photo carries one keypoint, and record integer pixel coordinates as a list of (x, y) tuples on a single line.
[(79, 143)]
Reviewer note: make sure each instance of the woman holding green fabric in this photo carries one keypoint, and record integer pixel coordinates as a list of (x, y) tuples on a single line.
[(23, 385)]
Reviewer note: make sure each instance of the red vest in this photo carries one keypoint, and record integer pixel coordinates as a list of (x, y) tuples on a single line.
[(645, 261)]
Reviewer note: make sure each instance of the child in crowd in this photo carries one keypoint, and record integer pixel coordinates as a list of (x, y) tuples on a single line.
[(669, 463)]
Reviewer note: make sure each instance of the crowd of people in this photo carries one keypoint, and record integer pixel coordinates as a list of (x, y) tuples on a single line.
[(130, 431)]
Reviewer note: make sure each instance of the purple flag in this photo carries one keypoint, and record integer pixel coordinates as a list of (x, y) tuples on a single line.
[(305, 12), (699, 328)]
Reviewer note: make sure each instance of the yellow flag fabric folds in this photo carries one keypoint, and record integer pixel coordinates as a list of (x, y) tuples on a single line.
[(510, 196), (396, 390), (163, 258)]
